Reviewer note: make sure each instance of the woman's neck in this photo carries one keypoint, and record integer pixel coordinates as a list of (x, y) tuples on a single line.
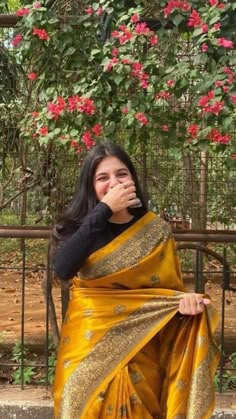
[(121, 217)]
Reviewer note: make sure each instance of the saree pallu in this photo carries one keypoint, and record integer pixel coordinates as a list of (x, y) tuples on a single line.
[(125, 352)]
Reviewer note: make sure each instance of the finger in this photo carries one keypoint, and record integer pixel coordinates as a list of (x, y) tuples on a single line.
[(206, 301), (181, 307)]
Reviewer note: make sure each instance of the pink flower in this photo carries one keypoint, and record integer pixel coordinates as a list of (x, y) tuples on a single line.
[(111, 63), (213, 2), (204, 47), (134, 18), (126, 61), (37, 5), (100, 11), (215, 108), (194, 19), (144, 84), (162, 95), (22, 12), (35, 114), (216, 137), (79, 149), (88, 140), (218, 83), (115, 34), (125, 110), (32, 76), (204, 100), (225, 43), (43, 131), (153, 40), (16, 40), (225, 89), (57, 108), (136, 67), (97, 129), (141, 117), (87, 107), (74, 144), (205, 28), (89, 11), (142, 29), (115, 52), (170, 83), (175, 4), (73, 102), (221, 6), (233, 98), (165, 128), (123, 28), (126, 37), (41, 33), (233, 155), (193, 130), (217, 26)]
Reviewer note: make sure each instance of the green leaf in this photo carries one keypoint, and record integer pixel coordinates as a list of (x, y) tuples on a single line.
[(178, 19), (57, 131), (95, 52), (74, 132), (118, 79), (197, 32), (227, 122), (215, 19), (69, 51), (110, 128), (53, 20)]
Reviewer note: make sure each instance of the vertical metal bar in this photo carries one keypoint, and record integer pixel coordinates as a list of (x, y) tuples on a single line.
[(222, 335), (222, 340), (23, 312), (197, 271), (48, 279)]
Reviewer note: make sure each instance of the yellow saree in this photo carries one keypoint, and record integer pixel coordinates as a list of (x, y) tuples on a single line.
[(124, 351)]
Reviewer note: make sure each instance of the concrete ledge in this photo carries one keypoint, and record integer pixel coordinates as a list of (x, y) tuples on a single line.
[(224, 414), (26, 410), (36, 403), (44, 410)]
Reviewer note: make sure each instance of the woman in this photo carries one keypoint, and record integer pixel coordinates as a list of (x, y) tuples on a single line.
[(134, 344)]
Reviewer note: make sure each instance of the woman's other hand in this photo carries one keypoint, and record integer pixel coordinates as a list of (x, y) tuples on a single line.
[(193, 304)]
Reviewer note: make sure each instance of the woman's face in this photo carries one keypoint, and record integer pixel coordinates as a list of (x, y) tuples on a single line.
[(108, 174)]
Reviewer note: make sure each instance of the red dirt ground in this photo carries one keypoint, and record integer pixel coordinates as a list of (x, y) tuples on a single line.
[(35, 313)]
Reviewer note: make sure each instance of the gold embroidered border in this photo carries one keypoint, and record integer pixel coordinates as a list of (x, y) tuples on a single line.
[(108, 353), (202, 392), (130, 251)]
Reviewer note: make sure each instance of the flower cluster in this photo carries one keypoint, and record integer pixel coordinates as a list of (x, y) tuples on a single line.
[(209, 106), (22, 12), (163, 95), (216, 137), (193, 130), (124, 34), (41, 33), (176, 4), (16, 40), (141, 117), (74, 103)]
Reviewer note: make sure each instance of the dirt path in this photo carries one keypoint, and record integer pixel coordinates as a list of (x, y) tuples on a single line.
[(35, 312)]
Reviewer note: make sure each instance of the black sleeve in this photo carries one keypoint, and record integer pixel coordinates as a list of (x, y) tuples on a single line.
[(70, 256)]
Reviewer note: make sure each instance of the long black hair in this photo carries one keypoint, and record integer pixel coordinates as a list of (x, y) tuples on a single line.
[(85, 199)]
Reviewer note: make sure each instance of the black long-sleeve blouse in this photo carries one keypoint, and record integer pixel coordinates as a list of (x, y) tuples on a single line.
[(95, 232)]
